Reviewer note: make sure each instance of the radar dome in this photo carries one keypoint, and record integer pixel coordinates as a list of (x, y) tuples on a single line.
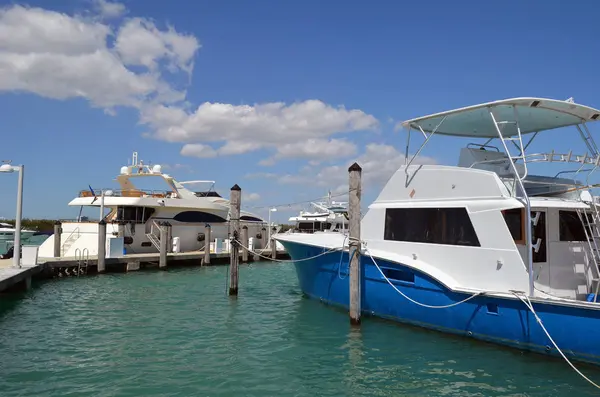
[(124, 170), (157, 169)]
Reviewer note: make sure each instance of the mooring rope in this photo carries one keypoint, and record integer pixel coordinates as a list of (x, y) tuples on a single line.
[(285, 260), (412, 300), (525, 299)]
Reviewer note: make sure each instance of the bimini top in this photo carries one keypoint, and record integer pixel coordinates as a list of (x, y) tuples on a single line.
[(534, 115)]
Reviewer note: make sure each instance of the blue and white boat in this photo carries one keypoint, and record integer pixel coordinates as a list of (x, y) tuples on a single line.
[(482, 249)]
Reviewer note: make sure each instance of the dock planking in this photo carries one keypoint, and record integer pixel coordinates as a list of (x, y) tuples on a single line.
[(12, 279)]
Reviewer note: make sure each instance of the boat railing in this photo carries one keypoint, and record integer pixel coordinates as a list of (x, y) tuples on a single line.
[(562, 157), (129, 193)]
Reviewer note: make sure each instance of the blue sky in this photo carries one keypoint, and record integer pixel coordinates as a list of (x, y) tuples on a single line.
[(84, 83)]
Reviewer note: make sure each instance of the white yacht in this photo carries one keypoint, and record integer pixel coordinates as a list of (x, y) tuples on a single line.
[(135, 214), (483, 249), (326, 216)]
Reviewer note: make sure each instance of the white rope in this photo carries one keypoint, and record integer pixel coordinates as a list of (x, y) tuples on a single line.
[(529, 305), (288, 261), (412, 300), (525, 301)]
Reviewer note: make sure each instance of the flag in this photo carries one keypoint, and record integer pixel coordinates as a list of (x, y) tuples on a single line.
[(94, 194)]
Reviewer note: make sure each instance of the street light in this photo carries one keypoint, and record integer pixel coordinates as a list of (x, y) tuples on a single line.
[(269, 235), (6, 167)]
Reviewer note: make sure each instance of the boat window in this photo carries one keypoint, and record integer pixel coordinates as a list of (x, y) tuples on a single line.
[(451, 226), (207, 194), (198, 217), (134, 214), (516, 225), (250, 218), (539, 232), (570, 226)]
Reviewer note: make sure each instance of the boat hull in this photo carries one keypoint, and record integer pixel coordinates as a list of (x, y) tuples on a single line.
[(499, 320)]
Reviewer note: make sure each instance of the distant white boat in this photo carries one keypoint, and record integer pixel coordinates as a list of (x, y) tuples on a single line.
[(326, 216), (7, 236), (135, 214)]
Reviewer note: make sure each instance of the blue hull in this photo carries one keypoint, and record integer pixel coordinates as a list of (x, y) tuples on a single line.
[(499, 320)]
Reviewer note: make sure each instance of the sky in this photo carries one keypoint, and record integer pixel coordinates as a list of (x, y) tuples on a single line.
[(279, 97)]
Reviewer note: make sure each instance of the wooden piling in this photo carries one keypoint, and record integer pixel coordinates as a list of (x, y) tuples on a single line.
[(354, 191), (245, 244), (164, 243), (57, 239), (235, 199), (273, 245), (169, 236), (259, 243), (207, 241), (101, 246)]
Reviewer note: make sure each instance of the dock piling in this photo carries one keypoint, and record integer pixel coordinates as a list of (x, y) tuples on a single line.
[(169, 236), (101, 246), (234, 219), (273, 244), (57, 239), (354, 192), (164, 243), (245, 244), (207, 240)]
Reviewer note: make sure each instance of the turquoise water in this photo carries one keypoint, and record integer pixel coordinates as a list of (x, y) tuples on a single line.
[(176, 333)]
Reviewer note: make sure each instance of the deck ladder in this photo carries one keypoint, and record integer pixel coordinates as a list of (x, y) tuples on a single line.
[(591, 227), (154, 239), (69, 241)]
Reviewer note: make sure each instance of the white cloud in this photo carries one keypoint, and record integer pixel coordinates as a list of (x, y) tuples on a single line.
[(60, 56), (317, 149), (198, 150), (140, 43), (108, 9), (130, 63), (379, 162), (250, 197), (247, 128), (260, 175)]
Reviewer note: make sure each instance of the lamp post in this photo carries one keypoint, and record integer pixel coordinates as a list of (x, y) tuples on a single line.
[(6, 167), (269, 230)]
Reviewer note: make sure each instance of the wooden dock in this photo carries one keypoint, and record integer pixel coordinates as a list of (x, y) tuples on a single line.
[(13, 279)]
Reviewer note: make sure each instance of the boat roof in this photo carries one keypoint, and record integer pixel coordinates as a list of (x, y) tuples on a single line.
[(534, 114)]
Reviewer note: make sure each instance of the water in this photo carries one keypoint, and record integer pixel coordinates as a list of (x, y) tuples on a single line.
[(175, 333)]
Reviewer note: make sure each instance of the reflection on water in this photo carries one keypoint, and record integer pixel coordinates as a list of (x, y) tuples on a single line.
[(175, 333)]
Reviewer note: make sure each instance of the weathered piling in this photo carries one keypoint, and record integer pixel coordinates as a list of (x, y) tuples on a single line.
[(207, 240), (273, 244), (101, 246), (354, 191), (259, 243), (234, 219), (57, 239), (245, 244), (169, 236), (164, 243)]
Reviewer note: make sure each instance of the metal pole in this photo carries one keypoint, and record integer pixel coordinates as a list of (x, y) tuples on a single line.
[(17, 246), (269, 236), (102, 205)]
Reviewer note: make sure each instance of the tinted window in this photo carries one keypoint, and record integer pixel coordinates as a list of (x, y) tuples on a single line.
[(250, 218), (450, 226), (514, 221), (134, 214), (198, 217), (570, 226)]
